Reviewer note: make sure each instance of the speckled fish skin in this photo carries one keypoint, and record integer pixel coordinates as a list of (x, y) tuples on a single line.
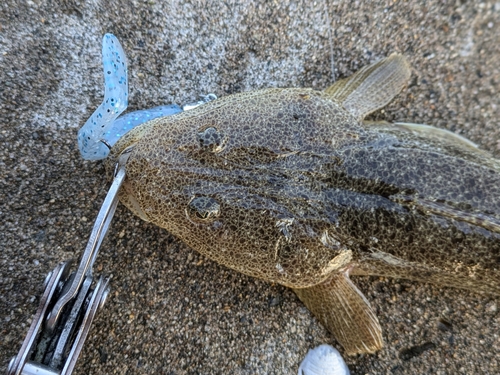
[(291, 186), (257, 178)]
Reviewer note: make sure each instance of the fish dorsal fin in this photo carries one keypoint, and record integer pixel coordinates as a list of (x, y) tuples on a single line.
[(344, 311), (372, 87)]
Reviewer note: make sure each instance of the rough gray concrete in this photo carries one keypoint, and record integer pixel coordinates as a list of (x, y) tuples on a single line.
[(170, 310)]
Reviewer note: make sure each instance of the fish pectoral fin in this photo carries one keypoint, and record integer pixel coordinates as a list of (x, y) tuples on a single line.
[(372, 87), (339, 305)]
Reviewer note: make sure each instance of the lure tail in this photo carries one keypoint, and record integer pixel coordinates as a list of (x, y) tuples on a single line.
[(115, 101), (103, 129)]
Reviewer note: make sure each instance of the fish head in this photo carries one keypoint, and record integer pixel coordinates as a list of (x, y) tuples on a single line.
[(236, 179)]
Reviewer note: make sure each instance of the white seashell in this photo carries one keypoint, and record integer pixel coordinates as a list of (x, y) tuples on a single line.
[(323, 360)]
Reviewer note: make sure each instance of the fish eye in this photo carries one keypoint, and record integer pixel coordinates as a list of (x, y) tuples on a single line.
[(203, 208), (211, 139)]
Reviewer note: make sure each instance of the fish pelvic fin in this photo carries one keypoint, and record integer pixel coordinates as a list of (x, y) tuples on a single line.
[(372, 87), (341, 307)]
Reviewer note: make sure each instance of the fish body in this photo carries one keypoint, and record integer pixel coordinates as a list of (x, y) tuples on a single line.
[(293, 187), (300, 182)]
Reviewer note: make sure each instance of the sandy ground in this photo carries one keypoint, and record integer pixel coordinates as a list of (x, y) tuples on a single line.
[(172, 311)]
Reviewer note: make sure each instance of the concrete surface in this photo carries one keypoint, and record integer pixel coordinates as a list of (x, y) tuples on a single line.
[(170, 310)]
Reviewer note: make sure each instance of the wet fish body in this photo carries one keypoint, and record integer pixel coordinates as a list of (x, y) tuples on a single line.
[(292, 186)]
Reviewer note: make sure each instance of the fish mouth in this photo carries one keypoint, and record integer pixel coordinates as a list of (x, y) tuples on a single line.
[(131, 202)]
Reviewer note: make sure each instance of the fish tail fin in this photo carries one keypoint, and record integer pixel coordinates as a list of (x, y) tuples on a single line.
[(344, 311)]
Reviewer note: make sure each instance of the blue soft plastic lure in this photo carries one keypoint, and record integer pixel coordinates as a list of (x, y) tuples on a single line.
[(103, 129)]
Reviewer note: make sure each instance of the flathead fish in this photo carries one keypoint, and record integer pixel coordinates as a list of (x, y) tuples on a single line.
[(292, 186)]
